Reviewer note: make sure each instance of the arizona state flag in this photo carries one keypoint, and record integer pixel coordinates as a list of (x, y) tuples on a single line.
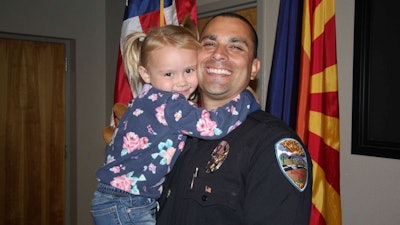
[(318, 108), (142, 15)]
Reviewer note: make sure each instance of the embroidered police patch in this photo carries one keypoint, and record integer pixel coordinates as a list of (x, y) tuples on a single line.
[(293, 162)]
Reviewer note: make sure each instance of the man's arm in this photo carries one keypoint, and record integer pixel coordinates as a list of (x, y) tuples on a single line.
[(279, 186)]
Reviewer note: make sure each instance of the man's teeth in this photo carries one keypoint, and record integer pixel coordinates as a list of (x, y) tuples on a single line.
[(218, 71)]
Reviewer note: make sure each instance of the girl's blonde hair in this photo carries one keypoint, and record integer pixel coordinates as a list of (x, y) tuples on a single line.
[(138, 45)]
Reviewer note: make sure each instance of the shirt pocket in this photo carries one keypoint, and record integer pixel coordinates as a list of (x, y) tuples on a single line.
[(211, 193)]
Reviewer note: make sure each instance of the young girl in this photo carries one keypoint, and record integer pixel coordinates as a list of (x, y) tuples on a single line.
[(152, 132)]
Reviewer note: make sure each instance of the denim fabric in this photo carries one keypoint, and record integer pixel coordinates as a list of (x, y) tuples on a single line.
[(111, 206)]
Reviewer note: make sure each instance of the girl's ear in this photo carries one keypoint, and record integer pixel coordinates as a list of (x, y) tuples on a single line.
[(144, 74)]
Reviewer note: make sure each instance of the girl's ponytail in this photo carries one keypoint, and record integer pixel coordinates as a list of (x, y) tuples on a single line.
[(131, 58)]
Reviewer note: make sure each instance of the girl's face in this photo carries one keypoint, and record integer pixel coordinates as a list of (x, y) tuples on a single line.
[(171, 69)]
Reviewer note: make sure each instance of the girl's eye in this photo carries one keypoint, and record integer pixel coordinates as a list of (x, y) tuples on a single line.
[(189, 70), (168, 74)]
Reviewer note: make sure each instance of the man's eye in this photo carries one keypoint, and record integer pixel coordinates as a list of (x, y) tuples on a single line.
[(207, 44), (237, 47)]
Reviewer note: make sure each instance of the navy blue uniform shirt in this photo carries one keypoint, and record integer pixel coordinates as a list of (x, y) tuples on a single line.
[(266, 178)]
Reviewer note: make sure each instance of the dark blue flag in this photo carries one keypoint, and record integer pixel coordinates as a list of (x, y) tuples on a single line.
[(283, 83)]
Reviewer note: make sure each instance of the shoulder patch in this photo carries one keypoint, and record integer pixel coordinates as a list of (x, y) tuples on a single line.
[(292, 161)]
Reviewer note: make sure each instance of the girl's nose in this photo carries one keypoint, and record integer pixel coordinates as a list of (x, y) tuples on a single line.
[(181, 80)]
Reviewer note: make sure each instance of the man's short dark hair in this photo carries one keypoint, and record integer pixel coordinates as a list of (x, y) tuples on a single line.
[(253, 32)]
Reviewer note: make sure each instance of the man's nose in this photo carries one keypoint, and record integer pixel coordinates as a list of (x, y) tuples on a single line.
[(220, 53)]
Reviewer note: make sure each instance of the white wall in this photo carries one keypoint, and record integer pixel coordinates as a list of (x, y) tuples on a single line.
[(369, 185)]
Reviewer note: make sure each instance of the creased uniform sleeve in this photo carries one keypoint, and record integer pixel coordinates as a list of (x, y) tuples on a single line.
[(270, 196)]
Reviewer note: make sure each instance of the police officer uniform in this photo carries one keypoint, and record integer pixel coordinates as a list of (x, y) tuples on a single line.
[(260, 173)]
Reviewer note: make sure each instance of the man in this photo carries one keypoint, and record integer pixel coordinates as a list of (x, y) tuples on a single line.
[(260, 173)]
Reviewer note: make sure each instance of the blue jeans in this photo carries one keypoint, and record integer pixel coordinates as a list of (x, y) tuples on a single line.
[(112, 206)]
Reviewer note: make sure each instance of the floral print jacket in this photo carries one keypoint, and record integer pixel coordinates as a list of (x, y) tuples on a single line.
[(152, 133)]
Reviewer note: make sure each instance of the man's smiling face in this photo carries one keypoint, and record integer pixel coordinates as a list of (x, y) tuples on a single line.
[(226, 62)]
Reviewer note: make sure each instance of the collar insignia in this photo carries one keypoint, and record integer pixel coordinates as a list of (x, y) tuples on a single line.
[(292, 161)]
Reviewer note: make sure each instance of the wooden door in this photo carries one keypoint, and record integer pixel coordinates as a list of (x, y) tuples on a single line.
[(32, 132)]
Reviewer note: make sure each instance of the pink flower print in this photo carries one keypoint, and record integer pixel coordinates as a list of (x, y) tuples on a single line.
[(169, 154), (115, 169), (125, 123), (174, 96), (152, 168), (186, 132), (167, 151), (205, 125), (178, 115), (144, 142), (133, 142), (234, 111), (122, 182), (236, 98), (234, 126), (137, 112), (150, 130), (153, 97), (160, 189), (144, 91), (110, 158), (160, 114), (181, 146)]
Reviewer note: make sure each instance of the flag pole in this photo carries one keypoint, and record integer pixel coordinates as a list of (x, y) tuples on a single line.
[(161, 13)]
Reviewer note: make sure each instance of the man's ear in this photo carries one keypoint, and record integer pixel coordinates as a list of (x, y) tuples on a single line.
[(255, 68), (144, 74)]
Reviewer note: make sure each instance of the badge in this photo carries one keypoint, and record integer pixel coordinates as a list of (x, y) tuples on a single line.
[(218, 156), (292, 162)]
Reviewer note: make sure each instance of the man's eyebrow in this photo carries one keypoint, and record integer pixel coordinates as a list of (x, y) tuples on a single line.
[(238, 40), (209, 37), (231, 40)]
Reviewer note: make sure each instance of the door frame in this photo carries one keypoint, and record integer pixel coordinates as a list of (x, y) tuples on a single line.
[(70, 122)]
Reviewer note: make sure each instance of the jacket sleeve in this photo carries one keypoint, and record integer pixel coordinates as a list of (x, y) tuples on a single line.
[(183, 116), (271, 196)]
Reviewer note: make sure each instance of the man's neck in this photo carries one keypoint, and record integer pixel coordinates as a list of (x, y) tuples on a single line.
[(211, 104)]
